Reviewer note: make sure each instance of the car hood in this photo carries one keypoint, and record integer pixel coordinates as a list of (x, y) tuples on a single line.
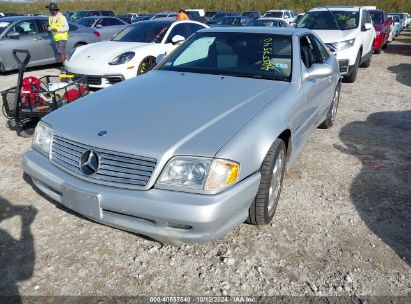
[(330, 36), (163, 113), (106, 50)]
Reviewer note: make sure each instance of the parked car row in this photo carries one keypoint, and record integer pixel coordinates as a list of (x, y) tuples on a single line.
[(28, 33)]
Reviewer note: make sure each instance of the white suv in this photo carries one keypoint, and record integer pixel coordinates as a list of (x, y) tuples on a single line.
[(286, 15), (347, 31)]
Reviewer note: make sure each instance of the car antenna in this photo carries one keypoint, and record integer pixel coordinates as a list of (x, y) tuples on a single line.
[(335, 18)]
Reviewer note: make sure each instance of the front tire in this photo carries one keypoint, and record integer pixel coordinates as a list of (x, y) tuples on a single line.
[(353, 76), (332, 111), (263, 208), (146, 65)]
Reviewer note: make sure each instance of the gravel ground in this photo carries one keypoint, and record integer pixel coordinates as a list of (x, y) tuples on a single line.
[(343, 225)]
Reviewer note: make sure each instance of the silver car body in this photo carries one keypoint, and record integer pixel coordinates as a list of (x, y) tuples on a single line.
[(102, 25), (38, 42), (164, 114)]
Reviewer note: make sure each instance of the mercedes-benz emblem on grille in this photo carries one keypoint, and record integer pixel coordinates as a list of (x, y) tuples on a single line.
[(89, 162)]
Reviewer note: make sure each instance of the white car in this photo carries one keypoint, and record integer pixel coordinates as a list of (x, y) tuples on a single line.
[(347, 31), (286, 15), (131, 52)]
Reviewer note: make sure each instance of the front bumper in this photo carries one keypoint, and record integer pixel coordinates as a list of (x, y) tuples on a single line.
[(101, 76), (100, 82), (167, 216), (346, 59)]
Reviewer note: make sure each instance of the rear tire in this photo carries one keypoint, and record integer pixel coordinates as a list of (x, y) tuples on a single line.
[(77, 45), (263, 208), (353, 76), (332, 111)]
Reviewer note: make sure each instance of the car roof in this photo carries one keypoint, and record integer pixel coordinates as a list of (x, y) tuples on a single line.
[(99, 17), (336, 8), (159, 20), (17, 18), (271, 19), (94, 10), (258, 30)]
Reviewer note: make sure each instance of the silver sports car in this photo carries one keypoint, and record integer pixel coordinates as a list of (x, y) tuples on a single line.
[(197, 146), (28, 33)]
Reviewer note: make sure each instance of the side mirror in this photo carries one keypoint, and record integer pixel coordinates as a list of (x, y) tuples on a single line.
[(177, 39), (367, 26), (13, 35), (318, 70), (160, 58), (99, 26)]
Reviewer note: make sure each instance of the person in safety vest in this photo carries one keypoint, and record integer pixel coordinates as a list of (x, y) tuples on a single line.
[(182, 15), (59, 27)]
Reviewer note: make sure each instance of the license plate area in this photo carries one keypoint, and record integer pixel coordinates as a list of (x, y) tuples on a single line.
[(85, 203)]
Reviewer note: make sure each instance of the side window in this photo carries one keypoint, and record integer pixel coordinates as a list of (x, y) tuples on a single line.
[(193, 27), (114, 22), (43, 24), (286, 15), (179, 29), (309, 52), (368, 17), (26, 28), (104, 22), (72, 27), (323, 52), (101, 22)]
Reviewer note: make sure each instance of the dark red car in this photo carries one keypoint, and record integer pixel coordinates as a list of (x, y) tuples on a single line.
[(382, 29)]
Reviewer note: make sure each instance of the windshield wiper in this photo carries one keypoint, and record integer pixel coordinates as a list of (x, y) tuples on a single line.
[(257, 77)]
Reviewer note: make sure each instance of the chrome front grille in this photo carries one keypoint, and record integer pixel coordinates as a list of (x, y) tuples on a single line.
[(114, 168)]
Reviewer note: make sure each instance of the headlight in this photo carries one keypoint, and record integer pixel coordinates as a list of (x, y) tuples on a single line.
[(343, 44), (123, 58), (42, 138), (197, 174)]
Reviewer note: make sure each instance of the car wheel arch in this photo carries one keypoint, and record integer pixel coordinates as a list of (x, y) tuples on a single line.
[(271, 129)]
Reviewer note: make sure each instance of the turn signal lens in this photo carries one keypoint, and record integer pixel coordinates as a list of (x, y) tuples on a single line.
[(222, 174)]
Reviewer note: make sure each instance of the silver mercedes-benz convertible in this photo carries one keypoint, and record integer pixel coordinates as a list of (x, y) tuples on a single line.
[(197, 146)]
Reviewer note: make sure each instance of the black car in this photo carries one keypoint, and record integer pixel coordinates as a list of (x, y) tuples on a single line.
[(254, 15), (125, 18), (195, 16), (219, 16), (91, 13)]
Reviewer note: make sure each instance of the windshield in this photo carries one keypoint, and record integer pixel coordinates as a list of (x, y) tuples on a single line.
[(143, 32), (326, 20), (230, 21), (3, 26), (377, 17), (87, 21), (268, 23), (399, 16), (263, 56), (274, 14), (82, 14), (217, 17)]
